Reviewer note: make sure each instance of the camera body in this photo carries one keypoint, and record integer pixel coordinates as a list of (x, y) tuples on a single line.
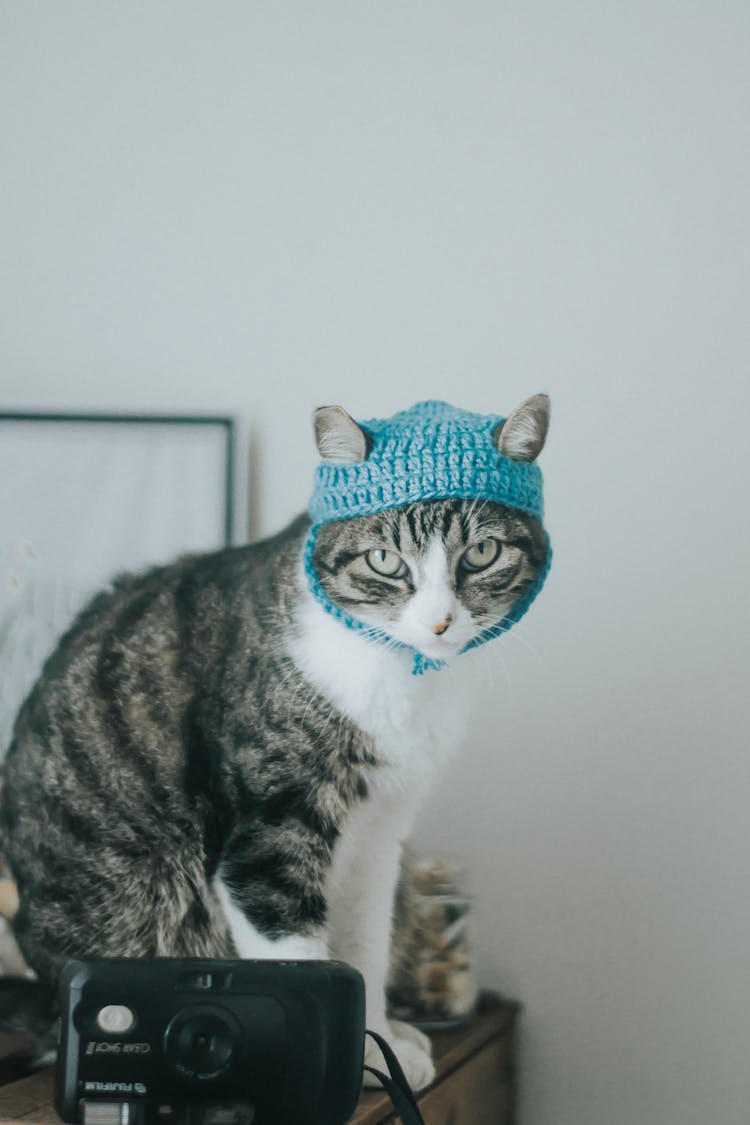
[(174, 1041)]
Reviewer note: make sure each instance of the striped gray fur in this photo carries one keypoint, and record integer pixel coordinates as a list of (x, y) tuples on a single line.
[(170, 733)]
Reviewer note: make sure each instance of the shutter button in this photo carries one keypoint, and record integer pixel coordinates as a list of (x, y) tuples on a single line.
[(115, 1019)]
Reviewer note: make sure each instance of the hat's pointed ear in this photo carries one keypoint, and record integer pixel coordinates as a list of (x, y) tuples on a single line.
[(339, 439), (521, 436)]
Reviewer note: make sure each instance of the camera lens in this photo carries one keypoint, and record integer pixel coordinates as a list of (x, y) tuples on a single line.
[(200, 1042)]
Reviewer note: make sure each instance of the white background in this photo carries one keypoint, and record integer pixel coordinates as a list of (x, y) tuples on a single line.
[(260, 208)]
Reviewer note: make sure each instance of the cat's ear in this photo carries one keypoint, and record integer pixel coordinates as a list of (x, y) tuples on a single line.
[(521, 436), (339, 439)]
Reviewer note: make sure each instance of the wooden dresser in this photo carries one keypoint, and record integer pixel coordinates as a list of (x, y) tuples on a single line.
[(475, 1082)]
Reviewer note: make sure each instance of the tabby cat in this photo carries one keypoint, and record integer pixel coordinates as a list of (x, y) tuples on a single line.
[(223, 756)]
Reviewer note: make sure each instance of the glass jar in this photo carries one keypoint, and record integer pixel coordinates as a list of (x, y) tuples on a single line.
[(436, 986)]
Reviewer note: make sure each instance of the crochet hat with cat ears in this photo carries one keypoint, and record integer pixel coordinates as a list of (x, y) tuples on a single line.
[(433, 451)]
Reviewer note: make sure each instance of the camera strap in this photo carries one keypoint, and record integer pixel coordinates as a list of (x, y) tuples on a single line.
[(395, 1084)]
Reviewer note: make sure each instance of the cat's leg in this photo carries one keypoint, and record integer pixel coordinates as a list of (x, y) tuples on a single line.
[(108, 904), (251, 944), (362, 889), (271, 887)]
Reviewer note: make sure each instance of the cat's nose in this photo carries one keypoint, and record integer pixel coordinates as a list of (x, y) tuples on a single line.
[(441, 626)]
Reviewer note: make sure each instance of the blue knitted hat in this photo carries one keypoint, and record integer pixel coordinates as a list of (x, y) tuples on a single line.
[(433, 451)]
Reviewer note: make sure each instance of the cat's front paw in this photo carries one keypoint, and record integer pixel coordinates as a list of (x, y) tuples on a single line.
[(415, 1059), (401, 1030)]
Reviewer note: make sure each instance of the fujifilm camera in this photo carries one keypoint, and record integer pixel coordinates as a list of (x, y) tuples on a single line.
[(205, 1042)]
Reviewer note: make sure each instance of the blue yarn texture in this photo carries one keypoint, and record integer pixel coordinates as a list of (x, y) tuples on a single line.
[(433, 451)]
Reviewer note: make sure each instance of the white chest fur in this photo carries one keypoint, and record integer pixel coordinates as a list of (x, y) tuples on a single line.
[(414, 721), (415, 724)]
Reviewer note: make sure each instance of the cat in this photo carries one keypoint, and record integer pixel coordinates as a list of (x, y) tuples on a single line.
[(223, 756)]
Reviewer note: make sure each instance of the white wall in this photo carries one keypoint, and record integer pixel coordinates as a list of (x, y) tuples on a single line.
[(259, 208)]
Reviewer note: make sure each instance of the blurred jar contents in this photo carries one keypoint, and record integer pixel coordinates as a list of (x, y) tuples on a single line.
[(437, 985)]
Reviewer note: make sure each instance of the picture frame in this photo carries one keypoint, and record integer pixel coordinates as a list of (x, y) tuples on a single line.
[(90, 495)]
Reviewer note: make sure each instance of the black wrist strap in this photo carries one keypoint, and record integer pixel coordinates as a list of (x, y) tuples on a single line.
[(396, 1085)]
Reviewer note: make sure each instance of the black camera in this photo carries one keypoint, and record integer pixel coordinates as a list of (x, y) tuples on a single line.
[(205, 1042)]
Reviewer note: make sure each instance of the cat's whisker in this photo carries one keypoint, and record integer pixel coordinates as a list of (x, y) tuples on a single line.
[(327, 722), (342, 717), (520, 636), (506, 671), (375, 636), (472, 510), (489, 666), (290, 670), (516, 633), (317, 693), (476, 512), (482, 655)]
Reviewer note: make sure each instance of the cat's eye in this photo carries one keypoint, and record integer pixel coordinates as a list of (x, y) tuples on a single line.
[(480, 555), (387, 563)]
